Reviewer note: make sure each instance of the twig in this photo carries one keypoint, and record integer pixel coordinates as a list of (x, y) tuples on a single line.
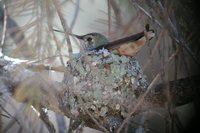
[(92, 117), (75, 14), (13, 120), (177, 37), (46, 58), (96, 122), (64, 24), (3, 116), (146, 13), (175, 119), (44, 117), (117, 12), (173, 27), (9, 115), (4, 26), (45, 67), (109, 17), (189, 51), (58, 48)]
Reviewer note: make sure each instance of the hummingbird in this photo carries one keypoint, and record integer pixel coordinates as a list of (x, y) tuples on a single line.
[(128, 46)]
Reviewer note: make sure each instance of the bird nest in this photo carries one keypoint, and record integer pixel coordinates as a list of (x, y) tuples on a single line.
[(106, 82)]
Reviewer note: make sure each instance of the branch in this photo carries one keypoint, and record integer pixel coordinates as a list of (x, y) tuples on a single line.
[(10, 26), (77, 8), (4, 25), (117, 12), (64, 24)]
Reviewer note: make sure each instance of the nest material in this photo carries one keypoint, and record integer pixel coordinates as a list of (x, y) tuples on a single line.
[(105, 81), (104, 84)]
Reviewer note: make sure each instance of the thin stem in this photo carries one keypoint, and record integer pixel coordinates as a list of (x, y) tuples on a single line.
[(64, 25), (4, 26), (117, 12), (109, 18), (75, 14)]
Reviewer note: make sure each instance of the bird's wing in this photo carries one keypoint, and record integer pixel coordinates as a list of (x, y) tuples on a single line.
[(117, 43)]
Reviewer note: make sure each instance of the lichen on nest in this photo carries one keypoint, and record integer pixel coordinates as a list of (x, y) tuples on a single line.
[(106, 81)]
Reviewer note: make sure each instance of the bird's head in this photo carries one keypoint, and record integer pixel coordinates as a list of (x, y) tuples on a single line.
[(92, 40)]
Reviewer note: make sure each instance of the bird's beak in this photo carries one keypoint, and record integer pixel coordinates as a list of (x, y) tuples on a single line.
[(77, 36)]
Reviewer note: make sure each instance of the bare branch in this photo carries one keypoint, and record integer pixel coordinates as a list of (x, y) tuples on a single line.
[(77, 9), (109, 17), (146, 13), (64, 24), (47, 122), (4, 25), (117, 12)]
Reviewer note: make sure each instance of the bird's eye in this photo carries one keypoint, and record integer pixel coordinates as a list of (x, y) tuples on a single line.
[(89, 39)]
